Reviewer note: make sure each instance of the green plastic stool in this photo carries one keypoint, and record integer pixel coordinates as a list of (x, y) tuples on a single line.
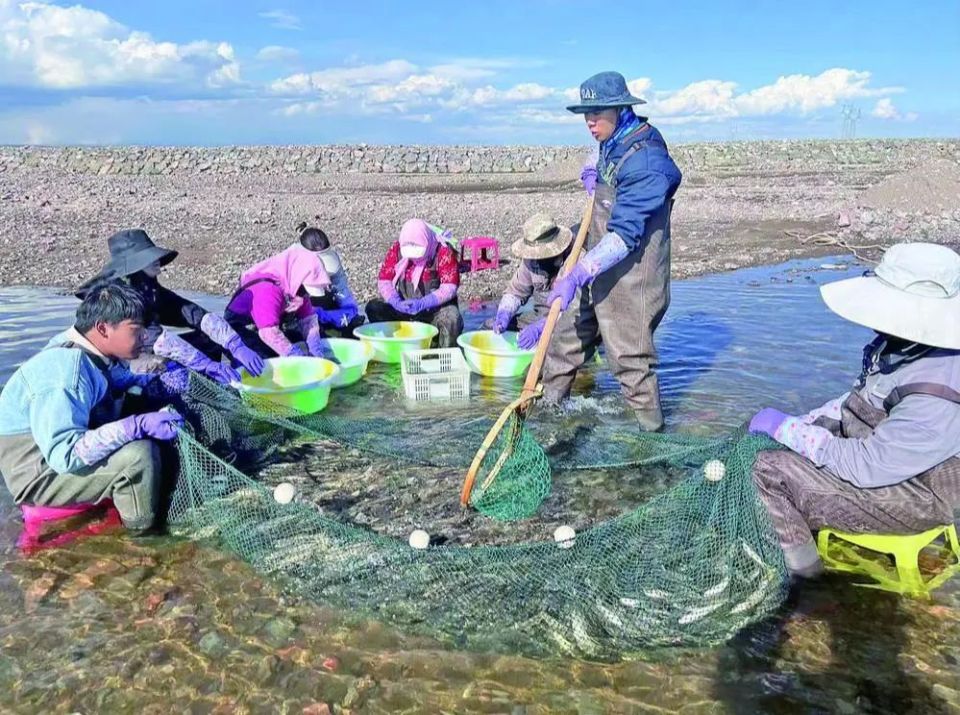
[(905, 549)]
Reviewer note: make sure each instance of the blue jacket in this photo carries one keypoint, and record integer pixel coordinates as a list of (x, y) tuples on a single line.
[(646, 182), (57, 396)]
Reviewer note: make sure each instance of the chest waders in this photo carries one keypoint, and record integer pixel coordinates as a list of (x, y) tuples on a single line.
[(801, 497), (623, 307)]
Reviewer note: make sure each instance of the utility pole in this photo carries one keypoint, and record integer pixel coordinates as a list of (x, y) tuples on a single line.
[(850, 114)]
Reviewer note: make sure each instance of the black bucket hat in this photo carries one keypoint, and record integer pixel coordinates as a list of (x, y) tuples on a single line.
[(131, 251), (605, 90)]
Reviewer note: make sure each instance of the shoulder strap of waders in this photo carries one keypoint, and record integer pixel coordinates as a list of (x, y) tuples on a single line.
[(637, 145), (933, 389)]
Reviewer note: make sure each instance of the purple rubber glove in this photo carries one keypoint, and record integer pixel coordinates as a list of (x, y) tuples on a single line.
[(418, 305), (530, 335), (767, 421), (566, 288), (160, 425), (502, 321), (589, 178), (247, 357), (221, 373), (296, 351), (398, 304)]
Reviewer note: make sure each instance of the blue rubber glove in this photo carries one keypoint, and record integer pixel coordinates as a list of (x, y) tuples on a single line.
[(530, 335), (767, 421), (502, 321), (223, 374), (337, 317), (566, 288), (247, 357), (160, 425)]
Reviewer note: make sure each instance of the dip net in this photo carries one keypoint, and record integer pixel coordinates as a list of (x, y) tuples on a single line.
[(689, 567)]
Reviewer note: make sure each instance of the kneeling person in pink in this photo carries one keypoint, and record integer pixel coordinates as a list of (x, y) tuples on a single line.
[(418, 281), (272, 292), (62, 441)]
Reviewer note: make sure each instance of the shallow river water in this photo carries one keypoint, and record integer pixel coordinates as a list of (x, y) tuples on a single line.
[(158, 625)]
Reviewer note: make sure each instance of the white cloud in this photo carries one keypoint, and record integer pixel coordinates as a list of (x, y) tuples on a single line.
[(465, 85), (345, 81), (53, 47), (716, 100), (885, 109), (416, 88), (281, 19), (805, 93), (709, 97), (278, 53)]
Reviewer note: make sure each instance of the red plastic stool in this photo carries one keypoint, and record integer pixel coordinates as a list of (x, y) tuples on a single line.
[(34, 518), (479, 256)]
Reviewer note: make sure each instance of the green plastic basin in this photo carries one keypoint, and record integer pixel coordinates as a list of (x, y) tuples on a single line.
[(494, 355), (299, 383), (392, 339), (352, 357)]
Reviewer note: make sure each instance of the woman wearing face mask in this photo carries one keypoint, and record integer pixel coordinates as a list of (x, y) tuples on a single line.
[(418, 281), (277, 290), (138, 262), (542, 250), (335, 306)]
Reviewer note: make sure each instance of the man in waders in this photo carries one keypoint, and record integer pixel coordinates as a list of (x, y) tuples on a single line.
[(620, 289)]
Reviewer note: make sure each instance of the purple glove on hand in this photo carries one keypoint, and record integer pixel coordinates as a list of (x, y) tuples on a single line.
[(296, 351), (589, 178), (160, 425), (398, 304), (767, 421), (223, 374), (530, 335), (502, 321), (418, 305), (566, 288), (247, 357)]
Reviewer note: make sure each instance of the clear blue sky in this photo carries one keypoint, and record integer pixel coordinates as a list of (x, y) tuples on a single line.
[(218, 72)]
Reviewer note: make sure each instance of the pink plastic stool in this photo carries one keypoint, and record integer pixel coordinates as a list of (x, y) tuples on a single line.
[(34, 518), (479, 256)]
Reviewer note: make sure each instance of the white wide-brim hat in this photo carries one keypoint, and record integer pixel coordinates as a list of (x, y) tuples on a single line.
[(913, 294)]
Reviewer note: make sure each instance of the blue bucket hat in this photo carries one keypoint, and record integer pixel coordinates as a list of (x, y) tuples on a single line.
[(604, 91)]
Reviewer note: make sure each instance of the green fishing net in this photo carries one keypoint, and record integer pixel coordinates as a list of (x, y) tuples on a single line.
[(690, 567)]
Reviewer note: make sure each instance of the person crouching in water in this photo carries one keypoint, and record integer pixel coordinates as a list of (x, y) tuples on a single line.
[(335, 306), (542, 250), (418, 281), (138, 262), (276, 291), (884, 457), (62, 440)]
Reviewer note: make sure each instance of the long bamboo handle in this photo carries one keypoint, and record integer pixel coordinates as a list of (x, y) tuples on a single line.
[(533, 373), (529, 391)]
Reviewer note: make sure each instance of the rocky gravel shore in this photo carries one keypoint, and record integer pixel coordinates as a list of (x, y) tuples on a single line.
[(741, 204)]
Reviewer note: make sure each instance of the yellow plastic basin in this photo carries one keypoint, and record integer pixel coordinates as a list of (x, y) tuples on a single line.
[(392, 339), (494, 355), (300, 383), (352, 357)]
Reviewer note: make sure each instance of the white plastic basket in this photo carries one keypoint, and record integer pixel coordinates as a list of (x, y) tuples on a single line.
[(435, 375)]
